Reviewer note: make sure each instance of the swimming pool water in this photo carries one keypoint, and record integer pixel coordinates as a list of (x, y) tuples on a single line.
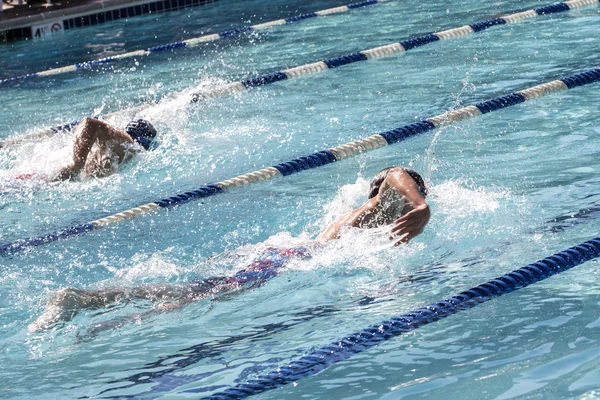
[(507, 189)]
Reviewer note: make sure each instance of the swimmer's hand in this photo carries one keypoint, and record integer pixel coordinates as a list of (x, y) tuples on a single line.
[(66, 173), (410, 224)]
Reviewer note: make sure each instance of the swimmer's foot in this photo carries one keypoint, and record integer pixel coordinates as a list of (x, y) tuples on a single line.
[(51, 316), (64, 306)]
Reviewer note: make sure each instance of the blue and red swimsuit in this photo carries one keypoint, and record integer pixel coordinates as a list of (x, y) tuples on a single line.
[(256, 273)]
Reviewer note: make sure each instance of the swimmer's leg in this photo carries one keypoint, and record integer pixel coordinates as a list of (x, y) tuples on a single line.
[(167, 298), (173, 297), (66, 303)]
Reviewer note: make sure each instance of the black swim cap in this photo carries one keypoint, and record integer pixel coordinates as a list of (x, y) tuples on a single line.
[(142, 132), (381, 175)]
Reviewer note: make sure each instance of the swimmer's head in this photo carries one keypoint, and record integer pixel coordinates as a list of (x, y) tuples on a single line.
[(142, 132), (381, 175)]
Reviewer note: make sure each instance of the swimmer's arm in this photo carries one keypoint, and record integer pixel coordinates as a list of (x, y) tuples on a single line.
[(88, 131), (352, 219), (413, 222)]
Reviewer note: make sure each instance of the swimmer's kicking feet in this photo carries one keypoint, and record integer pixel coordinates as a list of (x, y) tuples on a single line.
[(396, 198), (99, 149)]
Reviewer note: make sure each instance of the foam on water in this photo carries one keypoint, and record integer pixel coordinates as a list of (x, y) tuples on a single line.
[(346, 198), (455, 200)]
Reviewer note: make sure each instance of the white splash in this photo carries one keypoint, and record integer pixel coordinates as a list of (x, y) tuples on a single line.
[(347, 198), (456, 199), (143, 269)]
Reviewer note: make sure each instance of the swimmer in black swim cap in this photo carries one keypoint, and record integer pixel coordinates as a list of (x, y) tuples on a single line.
[(396, 198), (142, 132), (99, 149)]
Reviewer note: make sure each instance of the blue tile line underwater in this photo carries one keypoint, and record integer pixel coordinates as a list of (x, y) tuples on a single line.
[(317, 159), (307, 69), (189, 43), (321, 359)]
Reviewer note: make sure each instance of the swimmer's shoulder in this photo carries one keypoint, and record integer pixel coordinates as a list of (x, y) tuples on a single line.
[(391, 196)]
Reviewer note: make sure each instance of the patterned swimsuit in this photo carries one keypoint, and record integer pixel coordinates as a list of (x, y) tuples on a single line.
[(256, 273)]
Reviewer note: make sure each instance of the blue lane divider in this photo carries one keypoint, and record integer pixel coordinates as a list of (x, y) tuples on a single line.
[(193, 42), (480, 26), (203, 192), (500, 102), (319, 158), (370, 337), (378, 52), (560, 7)]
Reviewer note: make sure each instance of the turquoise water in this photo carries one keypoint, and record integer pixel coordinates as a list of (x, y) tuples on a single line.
[(507, 188)]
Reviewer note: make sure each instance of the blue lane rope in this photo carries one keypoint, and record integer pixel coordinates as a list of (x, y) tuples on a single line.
[(193, 42), (378, 52), (374, 335), (319, 158)]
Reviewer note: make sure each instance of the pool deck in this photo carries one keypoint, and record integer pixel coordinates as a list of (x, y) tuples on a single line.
[(15, 16), (41, 19), (15, 12)]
